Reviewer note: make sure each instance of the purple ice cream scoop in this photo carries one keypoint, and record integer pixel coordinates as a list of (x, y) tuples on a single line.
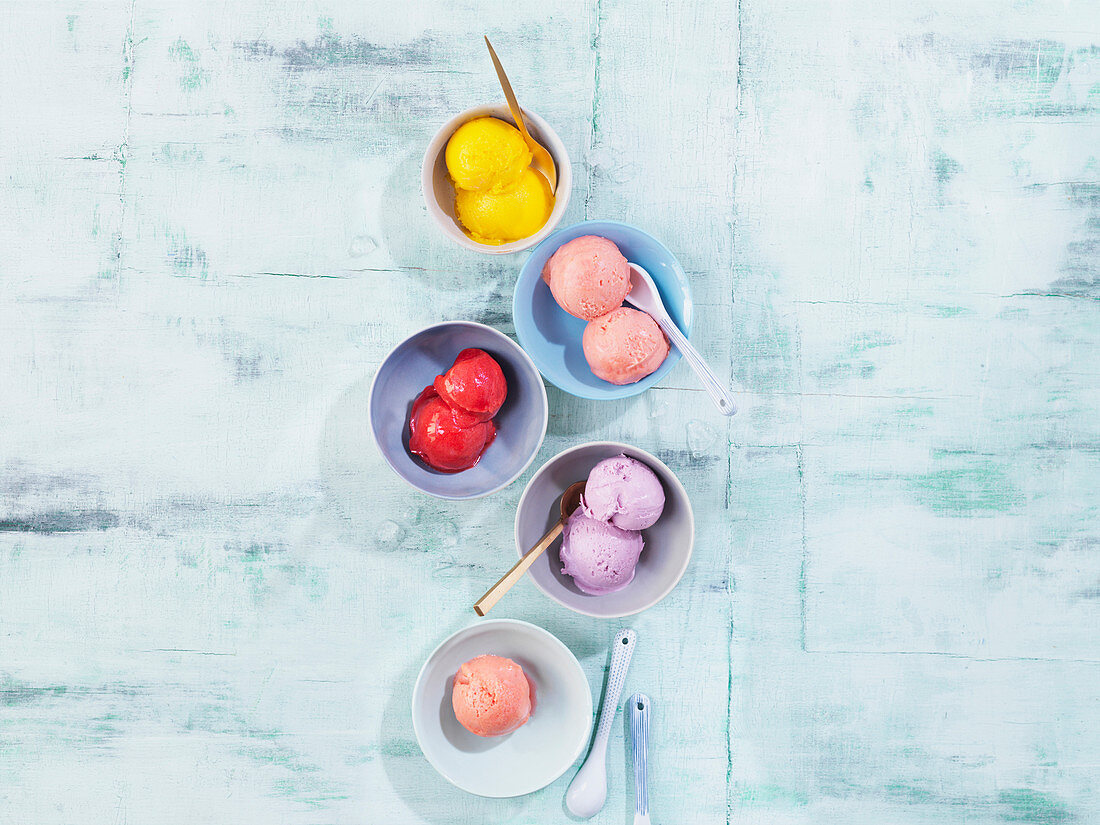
[(599, 556), (625, 493)]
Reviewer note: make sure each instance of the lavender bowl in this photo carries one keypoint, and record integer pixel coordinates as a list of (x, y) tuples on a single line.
[(413, 364)]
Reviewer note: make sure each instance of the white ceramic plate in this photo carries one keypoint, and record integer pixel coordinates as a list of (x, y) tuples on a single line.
[(527, 759)]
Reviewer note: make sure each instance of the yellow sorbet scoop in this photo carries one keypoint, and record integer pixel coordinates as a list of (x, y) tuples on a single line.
[(486, 154), (517, 212)]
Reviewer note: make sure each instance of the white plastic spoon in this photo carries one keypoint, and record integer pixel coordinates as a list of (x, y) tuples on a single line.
[(588, 791), (643, 295)]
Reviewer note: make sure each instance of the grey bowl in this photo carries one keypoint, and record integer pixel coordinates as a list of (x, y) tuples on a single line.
[(413, 364), (668, 543)]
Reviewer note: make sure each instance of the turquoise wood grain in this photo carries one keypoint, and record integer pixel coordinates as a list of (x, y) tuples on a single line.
[(214, 596)]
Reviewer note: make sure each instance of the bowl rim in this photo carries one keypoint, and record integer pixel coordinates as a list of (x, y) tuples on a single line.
[(648, 457), (524, 357), (418, 687), (554, 145), (614, 392)]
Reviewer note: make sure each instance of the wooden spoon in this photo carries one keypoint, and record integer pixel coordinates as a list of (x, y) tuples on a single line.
[(540, 158), (570, 501)]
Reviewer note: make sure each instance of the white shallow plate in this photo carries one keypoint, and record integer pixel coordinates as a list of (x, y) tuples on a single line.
[(527, 759)]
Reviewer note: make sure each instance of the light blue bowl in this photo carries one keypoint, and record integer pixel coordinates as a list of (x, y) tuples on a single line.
[(552, 337), (413, 364)]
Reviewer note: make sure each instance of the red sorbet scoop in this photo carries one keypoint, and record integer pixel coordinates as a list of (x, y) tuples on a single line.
[(447, 439), (474, 383)]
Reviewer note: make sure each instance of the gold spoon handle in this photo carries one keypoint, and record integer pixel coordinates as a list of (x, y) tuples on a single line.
[(494, 593), (541, 160), (509, 95)]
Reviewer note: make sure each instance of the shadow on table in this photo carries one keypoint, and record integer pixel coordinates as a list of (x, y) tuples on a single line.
[(577, 418), (351, 465), (423, 253)]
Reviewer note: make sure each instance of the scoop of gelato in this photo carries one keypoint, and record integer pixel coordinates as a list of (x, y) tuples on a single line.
[(624, 346), (486, 154), (599, 556), (588, 276), (446, 438), (624, 492), (491, 696), (474, 383), (507, 215)]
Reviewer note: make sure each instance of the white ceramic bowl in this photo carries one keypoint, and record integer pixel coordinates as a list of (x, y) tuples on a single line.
[(668, 543), (439, 193), (530, 757)]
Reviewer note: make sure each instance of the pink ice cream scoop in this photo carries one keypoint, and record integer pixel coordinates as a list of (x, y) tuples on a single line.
[(589, 276), (492, 696), (624, 346), (599, 556), (625, 493)]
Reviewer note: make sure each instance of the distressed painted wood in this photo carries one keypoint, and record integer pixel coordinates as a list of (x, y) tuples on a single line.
[(212, 232)]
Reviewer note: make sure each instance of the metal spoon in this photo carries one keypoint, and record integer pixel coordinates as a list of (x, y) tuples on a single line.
[(570, 501), (639, 705), (588, 791), (643, 295), (541, 159)]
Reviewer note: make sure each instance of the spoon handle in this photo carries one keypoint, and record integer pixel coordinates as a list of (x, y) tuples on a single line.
[(505, 583), (542, 161), (621, 652), (509, 95), (718, 393), (639, 733)]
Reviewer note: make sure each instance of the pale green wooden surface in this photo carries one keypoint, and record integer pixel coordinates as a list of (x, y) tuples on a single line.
[(214, 596)]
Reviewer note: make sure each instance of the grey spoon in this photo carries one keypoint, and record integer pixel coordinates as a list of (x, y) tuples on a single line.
[(643, 295)]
